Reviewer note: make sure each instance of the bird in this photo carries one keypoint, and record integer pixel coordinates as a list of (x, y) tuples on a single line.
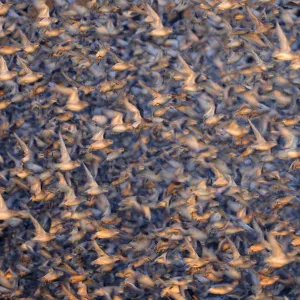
[(27, 152), (85, 88), (155, 21), (28, 76), (99, 142), (189, 76), (261, 144), (28, 47), (73, 103), (103, 259), (66, 163), (41, 235), (120, 64), (6, 213), (93, 188), (5, 74), (284, 53), (158, 99), (278, 258), (259, 26), (43, 19)]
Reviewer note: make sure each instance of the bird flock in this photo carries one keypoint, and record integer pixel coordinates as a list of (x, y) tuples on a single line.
[(149, 149)]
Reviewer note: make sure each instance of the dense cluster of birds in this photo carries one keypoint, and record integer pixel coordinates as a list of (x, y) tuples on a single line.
[(149, 150)]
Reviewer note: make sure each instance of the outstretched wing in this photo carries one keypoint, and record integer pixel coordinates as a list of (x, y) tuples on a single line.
[(284, 43), (2, 204), (90, 177), (3, 65), (38, 228), (148, 89), (65, 157), (155, 17), (257, 134)]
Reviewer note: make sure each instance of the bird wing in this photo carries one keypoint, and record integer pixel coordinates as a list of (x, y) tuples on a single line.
[(284, 43), (73, 96), (90, 177), (61, 89), (115, 57), (156, 19), (258, 60), (99, 136), (70, 80), (65, 157), (23, 145), (23, 65), (44, 11), (149, 90), (99, 251), (235, 252), (39, 229), (117, 120), (276, 248), (186, 68), (257, 134), (2, 204), (253, 17), (24, 38), (3, 65)]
